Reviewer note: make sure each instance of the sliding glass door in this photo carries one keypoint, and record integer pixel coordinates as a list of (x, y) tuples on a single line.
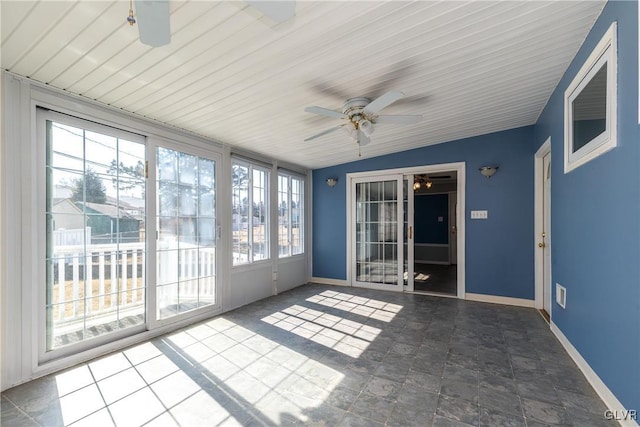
[(130, 233), (377, 232), (186, 241), (95, 251)]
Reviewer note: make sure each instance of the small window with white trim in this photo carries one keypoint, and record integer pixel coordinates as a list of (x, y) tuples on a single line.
[(590, 105), (250, 204), (290, 214)]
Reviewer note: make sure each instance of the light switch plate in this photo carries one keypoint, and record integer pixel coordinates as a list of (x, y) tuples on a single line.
[(479, 214)]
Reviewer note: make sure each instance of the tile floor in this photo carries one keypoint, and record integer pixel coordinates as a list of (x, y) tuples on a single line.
[(327, 356)]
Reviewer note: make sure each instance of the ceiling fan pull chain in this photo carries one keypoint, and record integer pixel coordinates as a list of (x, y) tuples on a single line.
[(130, 19)]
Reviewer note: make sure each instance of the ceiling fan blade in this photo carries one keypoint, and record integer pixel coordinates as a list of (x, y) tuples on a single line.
[(325, 112), (324, 132), (402, 120), (153, 22), (395, 75), (324, 88), (381, 102), (278, 11), (363, 139)]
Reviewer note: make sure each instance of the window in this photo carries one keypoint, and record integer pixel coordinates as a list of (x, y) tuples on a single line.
[(186, 240), (95, 230), (590, 105), (290, 215), (250, 212)]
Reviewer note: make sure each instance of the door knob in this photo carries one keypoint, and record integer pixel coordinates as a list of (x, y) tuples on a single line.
[(541, 245)]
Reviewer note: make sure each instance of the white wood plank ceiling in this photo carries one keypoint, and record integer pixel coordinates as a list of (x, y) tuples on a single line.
[(233, 76)]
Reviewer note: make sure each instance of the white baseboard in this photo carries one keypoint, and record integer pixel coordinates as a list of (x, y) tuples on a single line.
[(328, 281), (494, 299), (609, 399)]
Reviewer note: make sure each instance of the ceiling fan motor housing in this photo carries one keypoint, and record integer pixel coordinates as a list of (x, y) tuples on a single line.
[(354, 106)]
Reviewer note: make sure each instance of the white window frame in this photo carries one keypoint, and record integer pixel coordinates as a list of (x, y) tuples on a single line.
[(301, 209), (605, 52), (251, 166)]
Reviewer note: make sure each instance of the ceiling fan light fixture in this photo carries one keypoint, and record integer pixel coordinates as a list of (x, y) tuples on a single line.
[(350, 130), (366, 127)]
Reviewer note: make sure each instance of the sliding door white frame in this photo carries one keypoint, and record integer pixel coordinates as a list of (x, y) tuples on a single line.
[(458, 167)]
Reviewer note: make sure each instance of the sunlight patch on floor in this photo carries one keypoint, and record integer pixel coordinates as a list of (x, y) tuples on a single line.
[(213, 373), (343, 335), (371, 308), (418, 276)]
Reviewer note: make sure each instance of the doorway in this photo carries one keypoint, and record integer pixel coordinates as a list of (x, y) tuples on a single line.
[(542, 236), (434, 219), (381, 229)]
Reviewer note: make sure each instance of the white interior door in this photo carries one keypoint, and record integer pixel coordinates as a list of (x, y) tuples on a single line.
[(545, 243), (377, 243)]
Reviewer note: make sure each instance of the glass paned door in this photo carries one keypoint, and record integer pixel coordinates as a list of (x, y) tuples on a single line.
[(377, 225), (186, 267), (95, 231)]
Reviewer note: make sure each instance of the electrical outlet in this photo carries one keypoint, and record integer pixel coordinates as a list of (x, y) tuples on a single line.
[(561, 295)]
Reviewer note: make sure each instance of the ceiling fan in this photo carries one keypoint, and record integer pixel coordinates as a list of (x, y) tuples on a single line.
[(153, 17), (360, 115)]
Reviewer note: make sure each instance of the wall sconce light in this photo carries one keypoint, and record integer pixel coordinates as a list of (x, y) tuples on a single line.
[(331, 182), (488, 171)]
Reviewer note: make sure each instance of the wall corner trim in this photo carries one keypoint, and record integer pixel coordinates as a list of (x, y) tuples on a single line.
[(328, 281), (495, 299), (609, 399)]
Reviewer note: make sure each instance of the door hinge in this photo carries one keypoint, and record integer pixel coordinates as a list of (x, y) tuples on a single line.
[(146, 168)]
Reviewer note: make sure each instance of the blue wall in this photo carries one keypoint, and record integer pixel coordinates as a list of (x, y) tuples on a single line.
[(595, 225), (499, 250), (426, 209)]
